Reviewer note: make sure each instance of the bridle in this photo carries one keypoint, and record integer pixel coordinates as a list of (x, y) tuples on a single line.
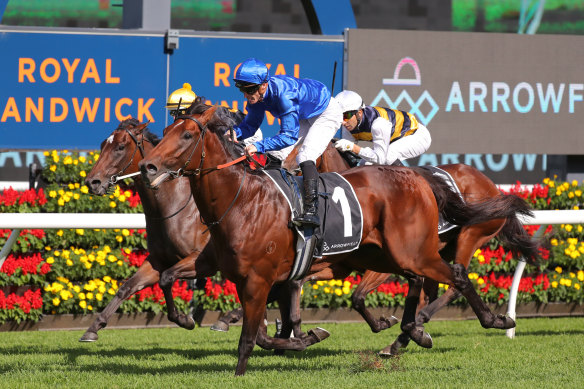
[(114, 179), (182, 171)]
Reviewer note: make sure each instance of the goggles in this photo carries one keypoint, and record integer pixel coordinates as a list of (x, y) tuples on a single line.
[(349, 114), (248, 88)]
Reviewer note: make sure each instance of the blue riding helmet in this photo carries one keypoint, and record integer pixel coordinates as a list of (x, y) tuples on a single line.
[(251, 71)]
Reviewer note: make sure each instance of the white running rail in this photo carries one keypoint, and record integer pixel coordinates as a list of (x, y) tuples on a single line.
[(19, 221)]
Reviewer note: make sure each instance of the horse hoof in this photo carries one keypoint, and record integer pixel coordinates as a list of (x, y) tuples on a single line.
[(190, 324), (389, 352), (89, 337), (319, 333), (504, 322), (421, 337), (391, 321), (220, 326)]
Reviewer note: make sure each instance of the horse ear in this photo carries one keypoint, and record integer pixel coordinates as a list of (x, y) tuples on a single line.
[(140, 127), (208, 114)]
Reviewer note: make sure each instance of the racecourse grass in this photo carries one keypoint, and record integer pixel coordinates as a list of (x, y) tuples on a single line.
[(545, 352)]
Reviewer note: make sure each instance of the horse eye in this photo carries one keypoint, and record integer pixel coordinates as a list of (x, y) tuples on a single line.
[(121, 147), (187, 135)]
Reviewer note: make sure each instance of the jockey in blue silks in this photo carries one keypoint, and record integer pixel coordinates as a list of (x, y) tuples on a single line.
[(307, 112)]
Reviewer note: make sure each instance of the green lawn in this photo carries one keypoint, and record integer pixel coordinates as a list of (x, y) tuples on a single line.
[(545, 352)]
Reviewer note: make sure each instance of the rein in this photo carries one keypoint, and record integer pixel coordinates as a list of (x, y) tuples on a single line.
[(184, 172)]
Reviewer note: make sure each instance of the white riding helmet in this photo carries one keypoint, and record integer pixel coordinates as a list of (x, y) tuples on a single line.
[(350, 101), (184, 95)]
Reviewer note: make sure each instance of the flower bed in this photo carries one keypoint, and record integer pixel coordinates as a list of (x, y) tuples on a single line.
[(78, 271)]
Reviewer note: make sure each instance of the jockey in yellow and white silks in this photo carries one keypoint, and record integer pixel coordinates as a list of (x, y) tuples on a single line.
[(396, 135)]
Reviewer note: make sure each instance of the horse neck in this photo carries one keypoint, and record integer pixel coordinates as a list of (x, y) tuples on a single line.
[(214, 190), (332, 161)]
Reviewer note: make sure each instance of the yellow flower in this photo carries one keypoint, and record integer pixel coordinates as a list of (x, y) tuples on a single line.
[(61, 202), (69, 262), (327, 289), (125, 232), (82, 173), (83, 304), (581, 275), (55, 158), (122, 198), (107, 278), (80, 231), (127, 193), (76, 196), (82, 159), (77, 288), (56, 301), (89, 308), (346, 289), (568, 227), (546, 180), (89, 296), (53, 194), (315, 286), (68, 160), (338, 292), (111, 291), (578, 192), (476, 253), (46, 153), (571, 195), (81, 296), (554, 242), (577, 286), (120, 263), (119, 238), (575, 183), (50, 260), (554, 284), (65, 295), (112, 204), (480, 281), (84, 189), (558, 270)]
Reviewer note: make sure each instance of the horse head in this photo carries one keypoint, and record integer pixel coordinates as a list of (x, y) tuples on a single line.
[(119, 155), (181, 151)]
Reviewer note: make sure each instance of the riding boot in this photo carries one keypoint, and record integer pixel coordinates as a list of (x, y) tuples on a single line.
[(310, 215)]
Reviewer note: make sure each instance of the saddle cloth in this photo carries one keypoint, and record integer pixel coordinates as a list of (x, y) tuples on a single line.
[(443, 225), (339, 210)]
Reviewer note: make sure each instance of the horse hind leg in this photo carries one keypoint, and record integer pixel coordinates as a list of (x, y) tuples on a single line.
[(486, 317), (408, 324), (145, 276)]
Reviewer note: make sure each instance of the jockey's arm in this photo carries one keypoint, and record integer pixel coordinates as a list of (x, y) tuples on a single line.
[(251, 123), (381, 134), (287, 136)]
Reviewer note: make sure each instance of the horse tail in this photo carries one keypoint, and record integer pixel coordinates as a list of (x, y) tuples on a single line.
[(503, 206), (516, 239)]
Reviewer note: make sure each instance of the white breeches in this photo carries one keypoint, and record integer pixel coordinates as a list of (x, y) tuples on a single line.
[(317, 132)]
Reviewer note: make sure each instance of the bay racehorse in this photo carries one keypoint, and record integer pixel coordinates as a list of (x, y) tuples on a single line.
[(457, 245), (248, 218), (175, 233)]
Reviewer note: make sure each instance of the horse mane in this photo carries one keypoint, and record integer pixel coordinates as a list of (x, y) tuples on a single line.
[(219, 124), (130, 123)]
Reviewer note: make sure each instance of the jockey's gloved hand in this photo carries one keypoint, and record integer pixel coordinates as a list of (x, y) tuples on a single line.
[(344, 145)]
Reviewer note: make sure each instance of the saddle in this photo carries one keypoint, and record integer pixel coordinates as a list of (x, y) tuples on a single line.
[(339, 211)]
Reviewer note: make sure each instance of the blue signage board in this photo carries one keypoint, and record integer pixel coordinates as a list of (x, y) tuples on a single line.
[(209, 64), (69, 91)]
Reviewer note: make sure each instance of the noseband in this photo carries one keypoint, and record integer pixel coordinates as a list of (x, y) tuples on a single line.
[(114, 179)]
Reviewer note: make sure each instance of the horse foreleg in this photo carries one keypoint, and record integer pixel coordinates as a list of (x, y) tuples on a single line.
[(289, 303), (144, 277), (370, 281), (193, 266)]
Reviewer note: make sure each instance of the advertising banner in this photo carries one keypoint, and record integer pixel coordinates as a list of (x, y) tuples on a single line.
[(479, 93), (65, 91)]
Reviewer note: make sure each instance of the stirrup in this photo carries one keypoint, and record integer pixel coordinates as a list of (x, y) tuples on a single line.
[(307, 220)]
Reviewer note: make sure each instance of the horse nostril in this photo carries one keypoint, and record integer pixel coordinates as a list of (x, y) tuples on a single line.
[(151, 169)]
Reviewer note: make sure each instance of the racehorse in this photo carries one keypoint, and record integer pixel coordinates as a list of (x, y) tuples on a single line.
[(174, 230), (457, 245), (248, 219)]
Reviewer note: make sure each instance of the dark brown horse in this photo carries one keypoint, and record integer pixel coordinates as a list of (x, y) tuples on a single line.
[(175, 234), (173, 229), (457, 245), (254, 248)]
